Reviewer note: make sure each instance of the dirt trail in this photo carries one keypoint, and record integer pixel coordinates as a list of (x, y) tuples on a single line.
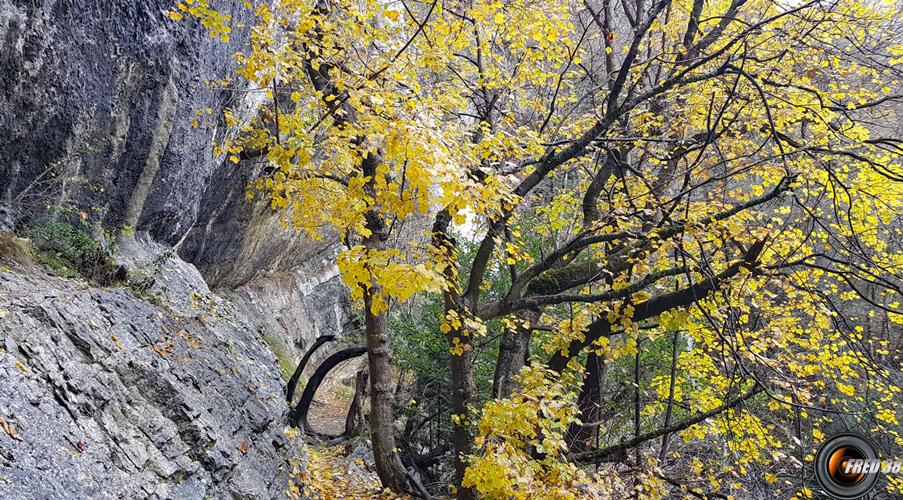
[(328, 411), (344, 470)]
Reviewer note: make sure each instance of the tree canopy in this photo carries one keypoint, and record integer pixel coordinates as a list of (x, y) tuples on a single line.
[(681, 219)]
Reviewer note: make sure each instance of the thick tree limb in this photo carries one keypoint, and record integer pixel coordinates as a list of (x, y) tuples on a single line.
[(657, 305), (610, 452), (610, 295), (293, 381), (582, 272)]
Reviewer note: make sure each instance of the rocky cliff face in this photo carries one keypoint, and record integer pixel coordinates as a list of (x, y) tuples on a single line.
[(97, 100), (97, 104), (112, 395), (97, 109)]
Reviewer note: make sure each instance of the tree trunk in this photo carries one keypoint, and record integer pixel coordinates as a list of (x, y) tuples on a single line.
[(670, 406), (307, 397), (580, 436), (296, 377), (382, 408), (389, 468), (463, 388), (512, 353), (462, 381), (354, 421)]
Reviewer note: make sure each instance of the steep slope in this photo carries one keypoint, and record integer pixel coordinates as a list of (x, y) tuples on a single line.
[(108, 124), (108, 394), (106, 111)]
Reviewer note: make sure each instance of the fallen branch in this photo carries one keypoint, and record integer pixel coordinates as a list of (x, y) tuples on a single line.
[(300, 415)]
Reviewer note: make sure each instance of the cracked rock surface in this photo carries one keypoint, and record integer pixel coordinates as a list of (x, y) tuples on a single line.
[(99, 103), (110, 395)]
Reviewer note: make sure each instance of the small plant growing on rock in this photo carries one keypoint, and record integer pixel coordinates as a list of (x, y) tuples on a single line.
[(71, 252)]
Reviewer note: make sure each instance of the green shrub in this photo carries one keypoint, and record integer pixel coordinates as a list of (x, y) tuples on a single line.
[(62, 238), (71, 252)]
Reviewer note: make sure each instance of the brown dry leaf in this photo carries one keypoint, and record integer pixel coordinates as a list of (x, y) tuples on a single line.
[(118, 342), (243, 447), (190, 340), (9, 429), (163, 350)]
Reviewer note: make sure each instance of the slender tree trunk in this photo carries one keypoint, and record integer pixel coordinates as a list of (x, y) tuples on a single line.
[(354, 421), (462, 380), (512, 353), (382, 405), (389, 468), (637, 403), (463, 389), (669, 408), (296, 377)]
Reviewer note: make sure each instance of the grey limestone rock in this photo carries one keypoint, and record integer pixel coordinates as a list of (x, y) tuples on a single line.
[(97, 100), (111, 395)]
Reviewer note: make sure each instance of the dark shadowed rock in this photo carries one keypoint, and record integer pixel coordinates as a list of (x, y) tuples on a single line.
[(96, 103), (97, 100)]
